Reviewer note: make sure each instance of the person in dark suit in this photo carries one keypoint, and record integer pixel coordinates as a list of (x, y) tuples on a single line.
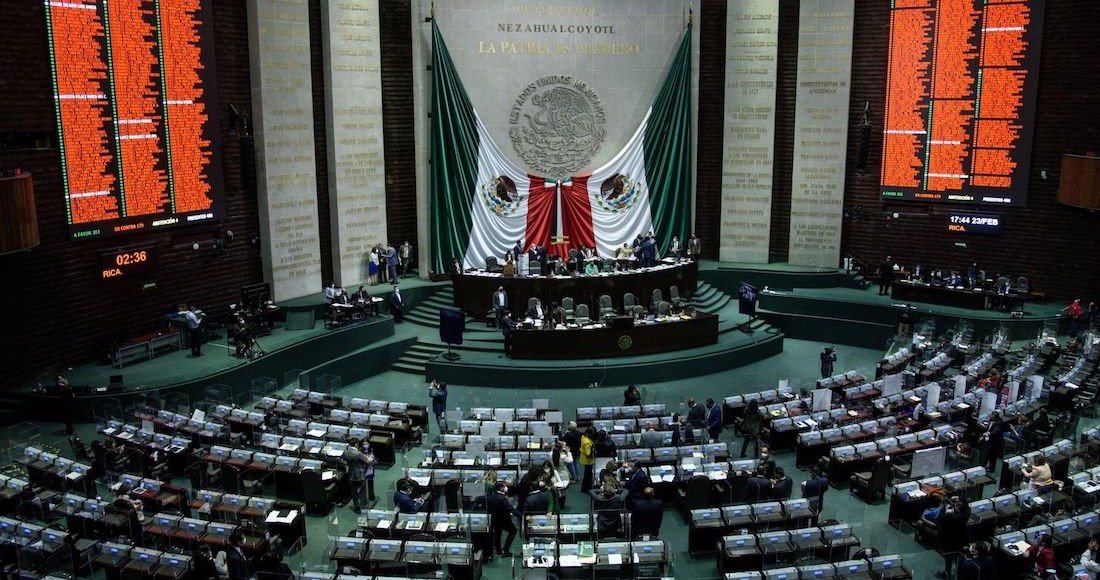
[(544, 259), (500, 518), (647, 514), (607, 502), (995, 436), (781, 485), (362, 301), (885, 276), (697, 415), (517, 249), (507, 326), (757, 488), (814, 489), (649, 252), (205, 567), (536, 312), (537, 501), (714, 419), (235, 558), (952, 534), (404, 500), (397, 305), (636, 482)]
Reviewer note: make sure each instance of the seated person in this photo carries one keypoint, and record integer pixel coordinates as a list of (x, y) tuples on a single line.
[(404, 500), (363, 303), (591, 269), (536, 312), (1038, 473), (557, 313)]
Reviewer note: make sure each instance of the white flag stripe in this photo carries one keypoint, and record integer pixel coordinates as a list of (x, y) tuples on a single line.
[(494, 234), (614, 228)]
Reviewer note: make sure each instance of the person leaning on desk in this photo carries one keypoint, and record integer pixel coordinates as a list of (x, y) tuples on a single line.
[(404, 500)]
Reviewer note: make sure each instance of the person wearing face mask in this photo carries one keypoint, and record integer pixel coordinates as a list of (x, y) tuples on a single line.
[(1089, 558), (500, 518)]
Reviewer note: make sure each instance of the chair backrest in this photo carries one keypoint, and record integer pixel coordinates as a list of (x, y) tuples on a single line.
[(657, 296), (531, 302), (582, 311), (663, 308), (605, 301), (568, 304), (638, 311), (490, 262), (1021, 284), (628, 302), (673, 293)]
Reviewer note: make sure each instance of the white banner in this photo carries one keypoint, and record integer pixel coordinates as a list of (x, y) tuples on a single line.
[(286, 174), (752, 41), (820, 131), (353, 110), (823, 399), (960, 385)]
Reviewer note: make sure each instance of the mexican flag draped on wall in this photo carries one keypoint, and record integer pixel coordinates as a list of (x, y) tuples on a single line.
[(482, 203)]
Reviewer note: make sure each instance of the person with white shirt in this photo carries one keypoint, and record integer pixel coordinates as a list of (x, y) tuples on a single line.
[(500, 303), (536, 311), (1089, 558)]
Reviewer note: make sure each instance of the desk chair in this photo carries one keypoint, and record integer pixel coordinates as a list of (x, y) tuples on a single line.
[(582, 314), (663, 308), (629, 302), (694, 494), (607, 309), (873, 483), (656, 297), (674, 295), (570, 308), (315, 493)]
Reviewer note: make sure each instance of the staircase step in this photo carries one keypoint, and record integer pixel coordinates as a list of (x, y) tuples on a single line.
[(407, 368)]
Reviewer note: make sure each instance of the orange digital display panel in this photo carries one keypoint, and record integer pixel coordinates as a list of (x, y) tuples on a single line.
[(135, 101), (960, 100)]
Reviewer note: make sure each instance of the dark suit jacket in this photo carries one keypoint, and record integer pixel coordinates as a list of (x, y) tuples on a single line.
[(507, 325), (405, 503), (697, 416), (396, 302), (536, 503), (500, 510), (533, 313), (758, 489), (648, 514), (237, 564), (781, 489)]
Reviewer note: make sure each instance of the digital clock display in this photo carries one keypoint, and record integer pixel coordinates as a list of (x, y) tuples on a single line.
[(974, 223), (125, 261)]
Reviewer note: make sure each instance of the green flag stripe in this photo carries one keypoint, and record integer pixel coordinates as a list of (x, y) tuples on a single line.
[(667, 148), (453, 158)]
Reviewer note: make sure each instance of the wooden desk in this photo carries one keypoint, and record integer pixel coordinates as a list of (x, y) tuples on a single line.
[(473, 291), (959, 298), (678, 334)]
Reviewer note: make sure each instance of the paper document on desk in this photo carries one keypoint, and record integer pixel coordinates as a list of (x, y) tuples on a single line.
[(615, 559), (1018, 547), (327, 474), (288, 447), (569, 561), (316, 433), (384, 524), (917, 493), (422, 481), (442, 526)]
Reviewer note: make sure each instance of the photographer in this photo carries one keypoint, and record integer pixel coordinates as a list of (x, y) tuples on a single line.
[(828, 357)]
